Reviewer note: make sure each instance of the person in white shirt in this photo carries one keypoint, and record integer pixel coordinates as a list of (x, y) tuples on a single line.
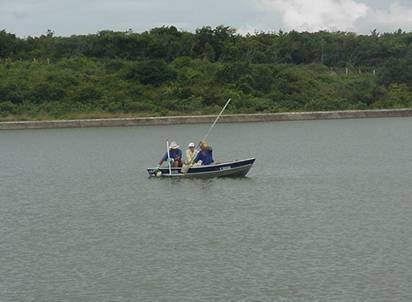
[(190, 154)]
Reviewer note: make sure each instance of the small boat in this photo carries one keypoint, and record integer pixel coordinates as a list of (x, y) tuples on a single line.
[(237, 168)]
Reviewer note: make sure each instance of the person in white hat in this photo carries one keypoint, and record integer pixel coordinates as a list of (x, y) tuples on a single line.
[(175, 155), (190, 153)]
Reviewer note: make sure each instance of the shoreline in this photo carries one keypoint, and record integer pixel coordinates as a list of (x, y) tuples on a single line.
[(204, 119)]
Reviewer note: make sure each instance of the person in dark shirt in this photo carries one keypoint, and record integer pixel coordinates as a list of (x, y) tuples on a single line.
[(205, 155), (175, 155)]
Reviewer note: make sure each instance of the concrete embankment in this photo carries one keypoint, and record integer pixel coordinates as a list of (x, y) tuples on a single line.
[(229, 118)]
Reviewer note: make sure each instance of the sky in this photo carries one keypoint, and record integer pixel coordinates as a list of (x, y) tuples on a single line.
[(67, 17)]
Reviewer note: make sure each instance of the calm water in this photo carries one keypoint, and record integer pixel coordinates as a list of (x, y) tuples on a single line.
[(325, 215)]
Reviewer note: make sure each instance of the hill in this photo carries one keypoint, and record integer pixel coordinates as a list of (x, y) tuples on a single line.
[(166, 71)]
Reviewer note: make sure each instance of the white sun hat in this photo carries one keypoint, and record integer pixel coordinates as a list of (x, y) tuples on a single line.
[(191, 145), (174, 145)]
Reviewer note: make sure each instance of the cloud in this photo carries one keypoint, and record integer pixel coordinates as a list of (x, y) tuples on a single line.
[(345, 15), (314, 15), (66, 17), (394, 17)]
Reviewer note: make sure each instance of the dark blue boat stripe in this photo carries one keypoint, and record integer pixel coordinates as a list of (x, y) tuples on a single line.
[(211, 168)]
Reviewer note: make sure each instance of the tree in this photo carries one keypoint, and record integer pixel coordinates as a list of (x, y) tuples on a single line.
[(153, 72), (8, 44)]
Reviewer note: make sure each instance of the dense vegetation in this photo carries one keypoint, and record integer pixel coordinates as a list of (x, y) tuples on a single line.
[(167, 71)]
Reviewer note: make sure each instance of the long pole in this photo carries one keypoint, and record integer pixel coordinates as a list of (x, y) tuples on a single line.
[(186, 168), (214, 123), (168, 158)]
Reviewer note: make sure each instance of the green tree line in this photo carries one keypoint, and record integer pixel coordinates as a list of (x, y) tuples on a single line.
[(166, 71)]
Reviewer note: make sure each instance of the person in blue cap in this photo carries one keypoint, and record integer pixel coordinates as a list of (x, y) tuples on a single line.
[(205, 155)]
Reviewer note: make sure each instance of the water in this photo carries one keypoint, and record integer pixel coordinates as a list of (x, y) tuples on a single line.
[(325, 215)]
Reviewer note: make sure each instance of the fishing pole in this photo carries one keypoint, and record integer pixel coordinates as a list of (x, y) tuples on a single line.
[(217, 118)]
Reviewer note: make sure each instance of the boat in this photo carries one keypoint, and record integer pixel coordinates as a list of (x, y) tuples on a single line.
[(237, 168)]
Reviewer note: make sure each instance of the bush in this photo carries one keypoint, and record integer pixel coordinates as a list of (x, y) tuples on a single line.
[(7, 108), (12, 92)]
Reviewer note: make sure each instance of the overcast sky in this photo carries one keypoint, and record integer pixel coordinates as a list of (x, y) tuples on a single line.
[(67, 17)]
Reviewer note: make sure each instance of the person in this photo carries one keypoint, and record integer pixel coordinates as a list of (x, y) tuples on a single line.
[(175, 155), (205, 156), (190, 154)]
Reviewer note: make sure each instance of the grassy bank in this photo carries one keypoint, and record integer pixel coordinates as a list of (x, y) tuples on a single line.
[(199, 119), (72, 116)]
